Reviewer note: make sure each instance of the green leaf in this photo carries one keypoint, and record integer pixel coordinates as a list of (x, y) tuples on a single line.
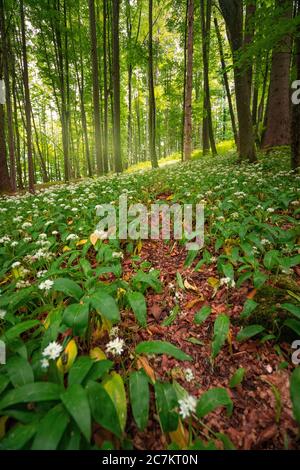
[(179, 281), (237, 377), (161, 347), (172, 317), (212, 399), (221, 330), (76, 401), (68, 287), (106, 305), (114, 386), (139, 397), (98, 370), (249, 307), (271, 259), (228, 270), (18, 436), (259, 279), (16, 330), (51, 428), (138, 304), (19, 371), (293, 309), (33, 392), (293, 325), (248, 332), (102, 408), (202, 315), (79, 370), (295, 393), (227, 444), (76, 316), (166, 403)]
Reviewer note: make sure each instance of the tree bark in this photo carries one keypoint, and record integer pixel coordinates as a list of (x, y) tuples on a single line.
[(278, 117), (96, 91), (232, 11), (295, 163), (189, 84), (105, 86), (116, 85), (27, 102), (152, 108)]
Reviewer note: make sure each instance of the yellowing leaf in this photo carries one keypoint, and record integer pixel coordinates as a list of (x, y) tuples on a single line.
[(169, 198), (114, 386), (3, 420), (193, 302), (81, 242), (138, 247), (142, 363), (180, 436), (213, 282), (97, 354), (66, 248), (189, 286), (120, 292), (70, 222), (94, 238), (65, 361)]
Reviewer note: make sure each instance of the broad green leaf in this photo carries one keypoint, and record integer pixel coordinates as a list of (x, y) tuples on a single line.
[(76, 316), (202, 315), (68, 287), (237, 377), (161, 347), (16, 330), (179, 280), (227, 444), (102, 408), (221, 330), (292, 308), (166, 403), (248, 332), (228, 270), (138, 304), (249, 307), (295, 393), (259, 279), (139, 398), (19, 371), (212, 399), (106, 305), (33, 392), (271, 259), (76, 402), (80, 369), (114, 386), (293, 325), (51, 428), (98, 370), (18, 436)]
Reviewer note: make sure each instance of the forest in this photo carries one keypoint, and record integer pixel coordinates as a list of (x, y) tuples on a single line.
[(172, 323)]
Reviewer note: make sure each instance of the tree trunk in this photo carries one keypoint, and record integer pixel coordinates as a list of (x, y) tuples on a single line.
[(249, 36), (296, 108), (278, 117), (105, 85), (189, 84), (27, 102), (152, 110), (116, 85), (184, 80), (226, 81), (207, 118), (232, 11), (96, 93)]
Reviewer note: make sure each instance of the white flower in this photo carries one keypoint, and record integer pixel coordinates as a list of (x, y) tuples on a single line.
[(13, 244), (26, 225), (2, 314), (22, 284), (227, 281), (53, 350), (44, 363), (187, 406), (55, 232), (72, 236), (117, 254), (189, 376), (16, 264), (265, 241), (41, 273), (270, 210), (46, 285), (115, 347)]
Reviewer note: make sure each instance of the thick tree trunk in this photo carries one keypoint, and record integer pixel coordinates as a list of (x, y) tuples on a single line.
[(232, 11), (189, 84), (207, 118), (226, 81), (96, 92), (116, 85), (249, 36), (27, 102), (152, 110), (296, 108), (278, 118)]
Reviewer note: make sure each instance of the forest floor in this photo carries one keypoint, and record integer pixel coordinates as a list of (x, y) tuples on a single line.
[(248, 272)]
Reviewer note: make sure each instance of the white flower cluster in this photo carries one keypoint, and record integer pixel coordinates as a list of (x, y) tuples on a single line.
[(115, 347), (46, 285), (227, 281), (187, 406), (52, 351)]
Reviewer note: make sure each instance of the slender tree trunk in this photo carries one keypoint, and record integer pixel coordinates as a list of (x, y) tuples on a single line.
[(226, 81), (116, 85), (152, 108), (96, 92), (105, 85), (296, 108), (189, 84), (184, 80), (249, 36), (232, 11), (278, 118), (27, 102), (207, 119)]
